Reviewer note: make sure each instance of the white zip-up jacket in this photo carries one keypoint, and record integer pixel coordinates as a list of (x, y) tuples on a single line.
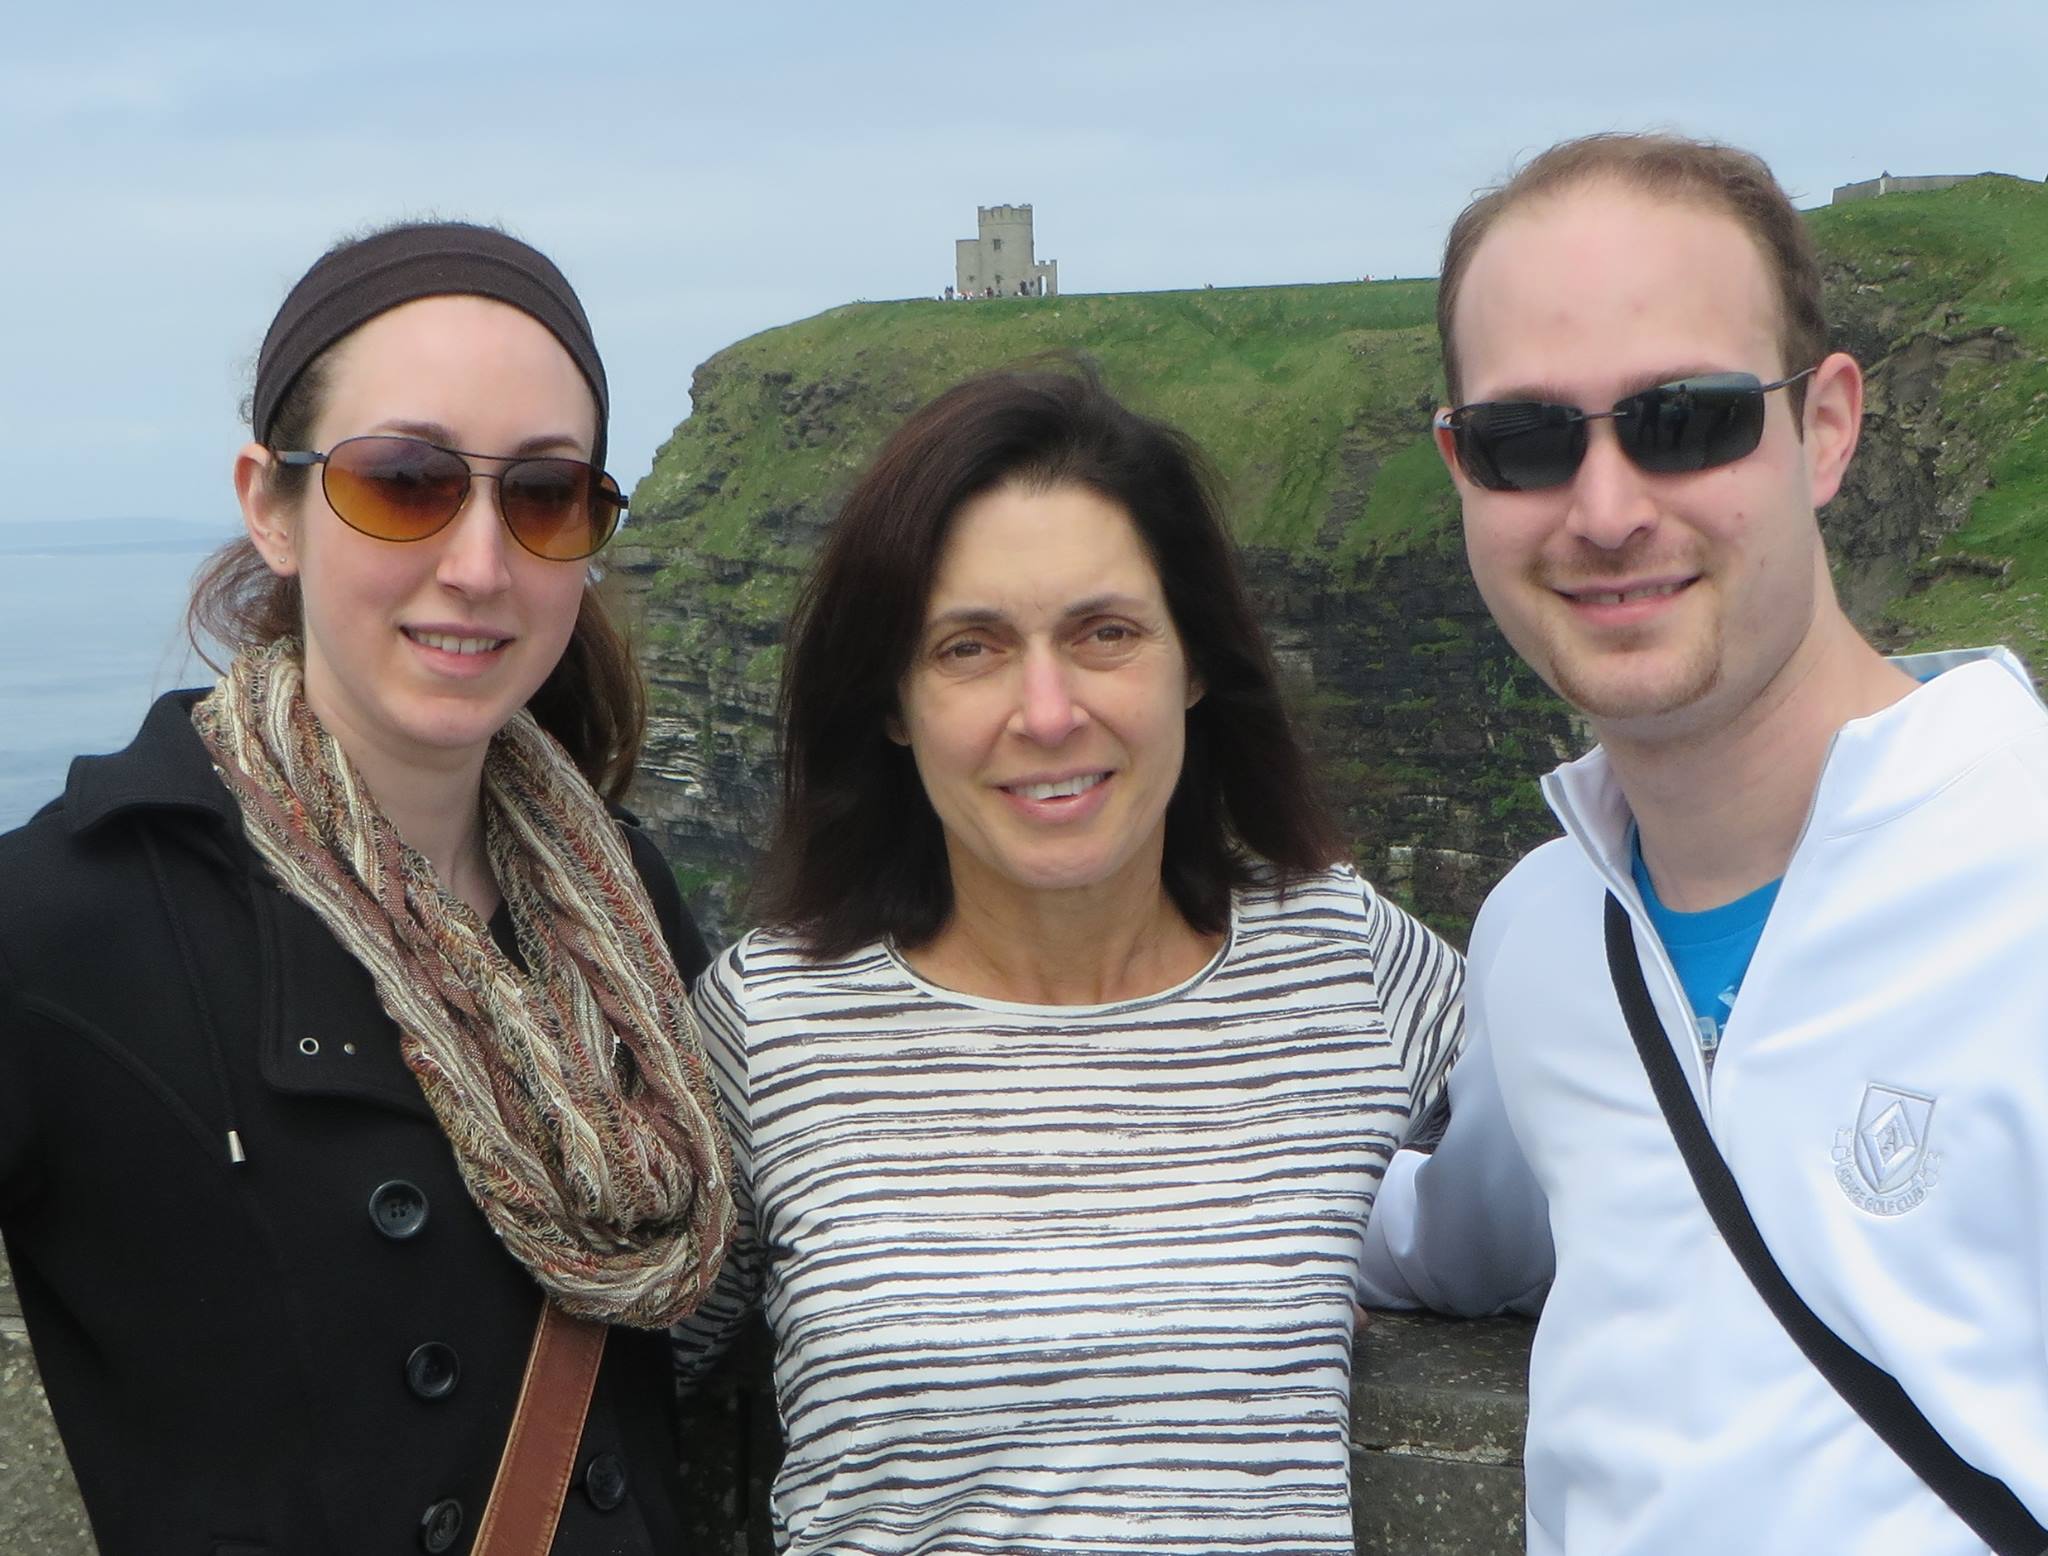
[(1881, 1096)]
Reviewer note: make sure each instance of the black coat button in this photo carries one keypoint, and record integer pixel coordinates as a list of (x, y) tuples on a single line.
[(441, 1525), (398, 1209), (604, 1482), (433, 1370)]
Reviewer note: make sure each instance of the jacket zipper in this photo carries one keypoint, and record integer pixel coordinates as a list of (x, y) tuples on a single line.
[(1689, 1055), (1698, 1071)]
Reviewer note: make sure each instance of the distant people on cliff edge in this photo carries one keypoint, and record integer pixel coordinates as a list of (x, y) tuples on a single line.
[(1790, 960), (1062, 1077), (341, 1032)]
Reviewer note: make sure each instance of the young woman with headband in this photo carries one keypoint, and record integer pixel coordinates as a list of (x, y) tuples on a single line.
[(349, 1096)]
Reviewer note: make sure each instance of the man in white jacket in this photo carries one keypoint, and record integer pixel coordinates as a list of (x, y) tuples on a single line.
[(1836, 871)]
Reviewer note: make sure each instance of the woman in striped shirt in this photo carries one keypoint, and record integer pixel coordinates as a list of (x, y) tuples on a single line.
[(1062, 1083)]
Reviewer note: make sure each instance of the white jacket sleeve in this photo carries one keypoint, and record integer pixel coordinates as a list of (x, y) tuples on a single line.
[(1464, 1229)]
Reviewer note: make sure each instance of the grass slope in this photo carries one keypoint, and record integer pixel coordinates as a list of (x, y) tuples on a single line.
[(1271, 381)]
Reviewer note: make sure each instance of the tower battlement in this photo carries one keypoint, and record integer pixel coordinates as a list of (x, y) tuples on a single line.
[(1000, 260)]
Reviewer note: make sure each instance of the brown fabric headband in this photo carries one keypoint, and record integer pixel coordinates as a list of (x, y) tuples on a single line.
[(351, 285)]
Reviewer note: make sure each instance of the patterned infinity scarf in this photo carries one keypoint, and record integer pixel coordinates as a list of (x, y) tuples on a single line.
[(574, 1093)]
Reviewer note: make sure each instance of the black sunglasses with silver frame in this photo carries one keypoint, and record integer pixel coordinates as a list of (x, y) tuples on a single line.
[(1694, 424)]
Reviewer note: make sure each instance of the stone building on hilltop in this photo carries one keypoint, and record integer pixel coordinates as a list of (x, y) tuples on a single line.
[(999, 261)]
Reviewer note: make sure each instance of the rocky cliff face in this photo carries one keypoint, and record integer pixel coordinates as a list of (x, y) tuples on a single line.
[(1430, 731)]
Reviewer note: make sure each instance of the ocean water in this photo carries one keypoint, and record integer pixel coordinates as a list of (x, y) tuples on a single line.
[(91, 630)]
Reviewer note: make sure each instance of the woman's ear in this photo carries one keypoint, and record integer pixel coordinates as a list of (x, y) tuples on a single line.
[(892, 726), (263, 513), (1195, 690)]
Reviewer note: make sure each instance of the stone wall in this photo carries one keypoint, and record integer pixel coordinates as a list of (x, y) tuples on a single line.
[(1885, 184), (1437, 1414)]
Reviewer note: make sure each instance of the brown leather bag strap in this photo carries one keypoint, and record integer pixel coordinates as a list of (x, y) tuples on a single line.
[(540, 1452)]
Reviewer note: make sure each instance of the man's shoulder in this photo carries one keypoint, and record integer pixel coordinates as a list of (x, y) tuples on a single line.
[(1538, 878), (1543, 916), (1966, 751)]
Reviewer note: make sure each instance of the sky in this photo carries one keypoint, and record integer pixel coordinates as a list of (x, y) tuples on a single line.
[(702, 173)]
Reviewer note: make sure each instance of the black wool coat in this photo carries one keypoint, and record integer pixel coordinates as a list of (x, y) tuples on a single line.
[(312, 1352)]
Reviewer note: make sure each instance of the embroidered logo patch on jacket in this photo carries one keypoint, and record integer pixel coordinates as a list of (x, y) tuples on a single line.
[(1883, 1164)]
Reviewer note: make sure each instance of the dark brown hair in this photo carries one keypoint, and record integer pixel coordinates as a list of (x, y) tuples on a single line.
[(858, 853), (593, 701), (1666, 167)]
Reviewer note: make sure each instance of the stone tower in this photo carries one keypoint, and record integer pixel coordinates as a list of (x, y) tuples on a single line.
[(1000, 258)]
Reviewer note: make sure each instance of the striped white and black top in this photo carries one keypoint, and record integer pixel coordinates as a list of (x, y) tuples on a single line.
[(1072, 1278)]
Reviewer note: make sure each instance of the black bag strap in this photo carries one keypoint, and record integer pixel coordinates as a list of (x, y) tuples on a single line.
[(1982, 1501)]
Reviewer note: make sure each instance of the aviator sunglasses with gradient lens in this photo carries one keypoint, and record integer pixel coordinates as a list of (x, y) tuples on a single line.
[(402, 489), (1694, 424)]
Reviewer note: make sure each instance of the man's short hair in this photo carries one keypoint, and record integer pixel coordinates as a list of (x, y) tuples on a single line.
[(1666, 167)]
